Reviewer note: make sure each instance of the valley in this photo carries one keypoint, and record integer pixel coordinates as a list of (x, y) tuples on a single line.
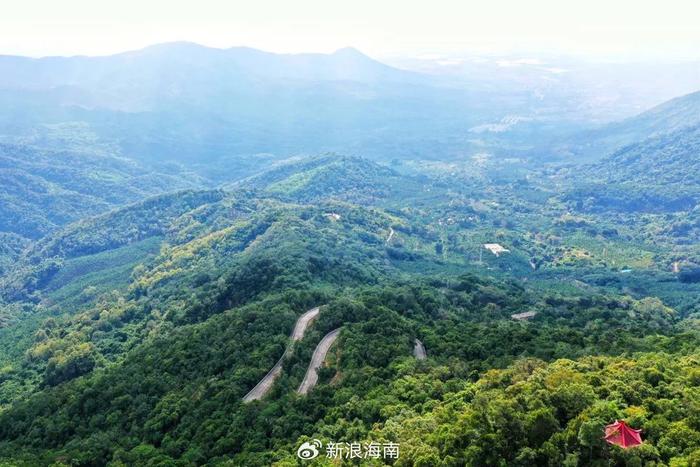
[(338, 256)]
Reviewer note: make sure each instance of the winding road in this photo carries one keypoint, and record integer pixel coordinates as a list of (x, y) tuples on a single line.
[(265, 384), (311, 377), (319, 356)]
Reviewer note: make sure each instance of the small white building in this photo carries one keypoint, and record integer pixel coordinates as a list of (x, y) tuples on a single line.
[(495, 248), (524, 316)]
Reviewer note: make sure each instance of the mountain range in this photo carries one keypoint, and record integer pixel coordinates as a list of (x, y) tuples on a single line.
[(674, 115), (186, 103), (169, 215)]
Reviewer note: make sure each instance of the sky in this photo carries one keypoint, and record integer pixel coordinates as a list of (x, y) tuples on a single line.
[(609, 29)]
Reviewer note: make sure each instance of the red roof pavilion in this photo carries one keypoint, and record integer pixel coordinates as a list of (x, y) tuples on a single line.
[(620, 434)]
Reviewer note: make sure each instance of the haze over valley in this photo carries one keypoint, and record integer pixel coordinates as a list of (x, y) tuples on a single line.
[(228, 256)]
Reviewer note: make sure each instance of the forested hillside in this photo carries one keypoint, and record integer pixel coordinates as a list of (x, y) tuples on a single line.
[(658, 174), (344, 178), (41, 190), (138, 306), (675, 115), (130, 338), (667, 117)]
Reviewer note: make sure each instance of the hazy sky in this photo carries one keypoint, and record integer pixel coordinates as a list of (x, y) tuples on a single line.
[(610, 28)]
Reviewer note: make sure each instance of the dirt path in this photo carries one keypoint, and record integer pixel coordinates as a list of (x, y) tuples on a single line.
[(419, 350), (391, 234), (311, 377), (265, 384)]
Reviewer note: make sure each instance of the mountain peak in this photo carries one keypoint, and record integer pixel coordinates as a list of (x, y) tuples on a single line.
[(175, 46), (348, 50)]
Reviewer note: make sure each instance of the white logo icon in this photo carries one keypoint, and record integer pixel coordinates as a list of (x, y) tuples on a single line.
[(309, 450)]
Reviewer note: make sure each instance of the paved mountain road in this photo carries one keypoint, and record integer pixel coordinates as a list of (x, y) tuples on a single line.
[(303, 323), (311, 377), (319, 356), (419, 350), (265, 384)]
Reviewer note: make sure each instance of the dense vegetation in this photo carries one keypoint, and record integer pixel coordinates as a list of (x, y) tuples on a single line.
[(179, 394), (41, 190), (148, 324), (131, 325), (351, 179), (669, 117), (655, 175)]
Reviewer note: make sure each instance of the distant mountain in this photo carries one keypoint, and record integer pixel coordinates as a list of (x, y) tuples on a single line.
[(153, 77), (41, 190), (676, 114), (658, 174), (195, 104), (683, 111)]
